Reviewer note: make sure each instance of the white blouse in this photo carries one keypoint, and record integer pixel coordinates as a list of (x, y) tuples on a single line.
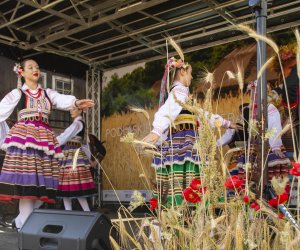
[(4, 129), (171, 109), (10, 101), (274, 121)]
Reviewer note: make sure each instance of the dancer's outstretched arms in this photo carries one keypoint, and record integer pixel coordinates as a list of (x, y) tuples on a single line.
[(67, 102)]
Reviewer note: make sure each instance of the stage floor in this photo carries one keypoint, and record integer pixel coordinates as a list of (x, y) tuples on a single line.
[(8, 239)]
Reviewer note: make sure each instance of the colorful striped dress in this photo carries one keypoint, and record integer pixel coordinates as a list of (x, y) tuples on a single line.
[(179, 162), (30, 169), (78, 182)]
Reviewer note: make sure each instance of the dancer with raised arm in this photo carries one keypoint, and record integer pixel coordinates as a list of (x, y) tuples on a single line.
[(180, 161), (30, 169)]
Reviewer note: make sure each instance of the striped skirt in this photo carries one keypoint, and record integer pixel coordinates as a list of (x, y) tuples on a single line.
[(78, 182), (277, 167), (30, 168), (176, 168)]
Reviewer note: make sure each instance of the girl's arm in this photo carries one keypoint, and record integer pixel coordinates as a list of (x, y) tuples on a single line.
[(170, 110), (213, 118), (70, 132), (60, 101), (226, 137)]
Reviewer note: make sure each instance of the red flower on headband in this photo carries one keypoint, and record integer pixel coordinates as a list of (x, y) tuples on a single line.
[(197, 185), (233, 182), (279, 199), (189, 195), (153, 203), (296, 169)]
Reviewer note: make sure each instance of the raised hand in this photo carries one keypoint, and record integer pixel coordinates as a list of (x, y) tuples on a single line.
[(84, 104)]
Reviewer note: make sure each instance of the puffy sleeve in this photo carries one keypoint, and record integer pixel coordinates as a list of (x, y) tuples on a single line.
[(170, 109), (226, 137), (70, 132), (274, 122), (8, 104), (4, 129), (60, 101)]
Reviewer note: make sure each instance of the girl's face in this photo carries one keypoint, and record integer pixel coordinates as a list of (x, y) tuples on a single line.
[(75, 113), (187, 76), (31, 71)]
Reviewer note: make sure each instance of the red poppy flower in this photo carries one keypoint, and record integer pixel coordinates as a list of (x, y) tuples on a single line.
[(296, 169), (197, 185), (280, 216), (246, 198), (257, 208), (253, 204), (278, 200), (189, 195), (153, 203), (233, 182)]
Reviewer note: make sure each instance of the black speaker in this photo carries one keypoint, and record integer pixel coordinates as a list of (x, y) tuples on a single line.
[(65, 230)]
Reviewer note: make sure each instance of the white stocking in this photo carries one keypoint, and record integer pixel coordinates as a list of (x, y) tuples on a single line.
[(38, 203), (26, 207), (84, 204), (67, 203)]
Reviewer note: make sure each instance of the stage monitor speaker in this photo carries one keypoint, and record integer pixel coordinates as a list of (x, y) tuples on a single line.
[(65, 230)]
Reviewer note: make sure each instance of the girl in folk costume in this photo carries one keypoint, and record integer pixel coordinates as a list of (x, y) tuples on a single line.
[(278, 162), (30, 168), (290, 99), (232, 136), (180, 162), (75, 181)]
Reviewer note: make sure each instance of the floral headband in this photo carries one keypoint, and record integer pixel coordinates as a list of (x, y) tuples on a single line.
[(288, 51), (251, 86), (172, 64), (18, 70), (176, 63)]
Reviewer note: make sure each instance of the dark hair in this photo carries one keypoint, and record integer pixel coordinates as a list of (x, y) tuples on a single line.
[(240, 134), (97, 148)]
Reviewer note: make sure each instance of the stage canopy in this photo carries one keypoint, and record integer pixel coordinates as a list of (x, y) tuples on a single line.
[(117, 33)]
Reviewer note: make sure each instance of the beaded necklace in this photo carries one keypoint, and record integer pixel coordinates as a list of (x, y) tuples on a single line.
[(36, 96)]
